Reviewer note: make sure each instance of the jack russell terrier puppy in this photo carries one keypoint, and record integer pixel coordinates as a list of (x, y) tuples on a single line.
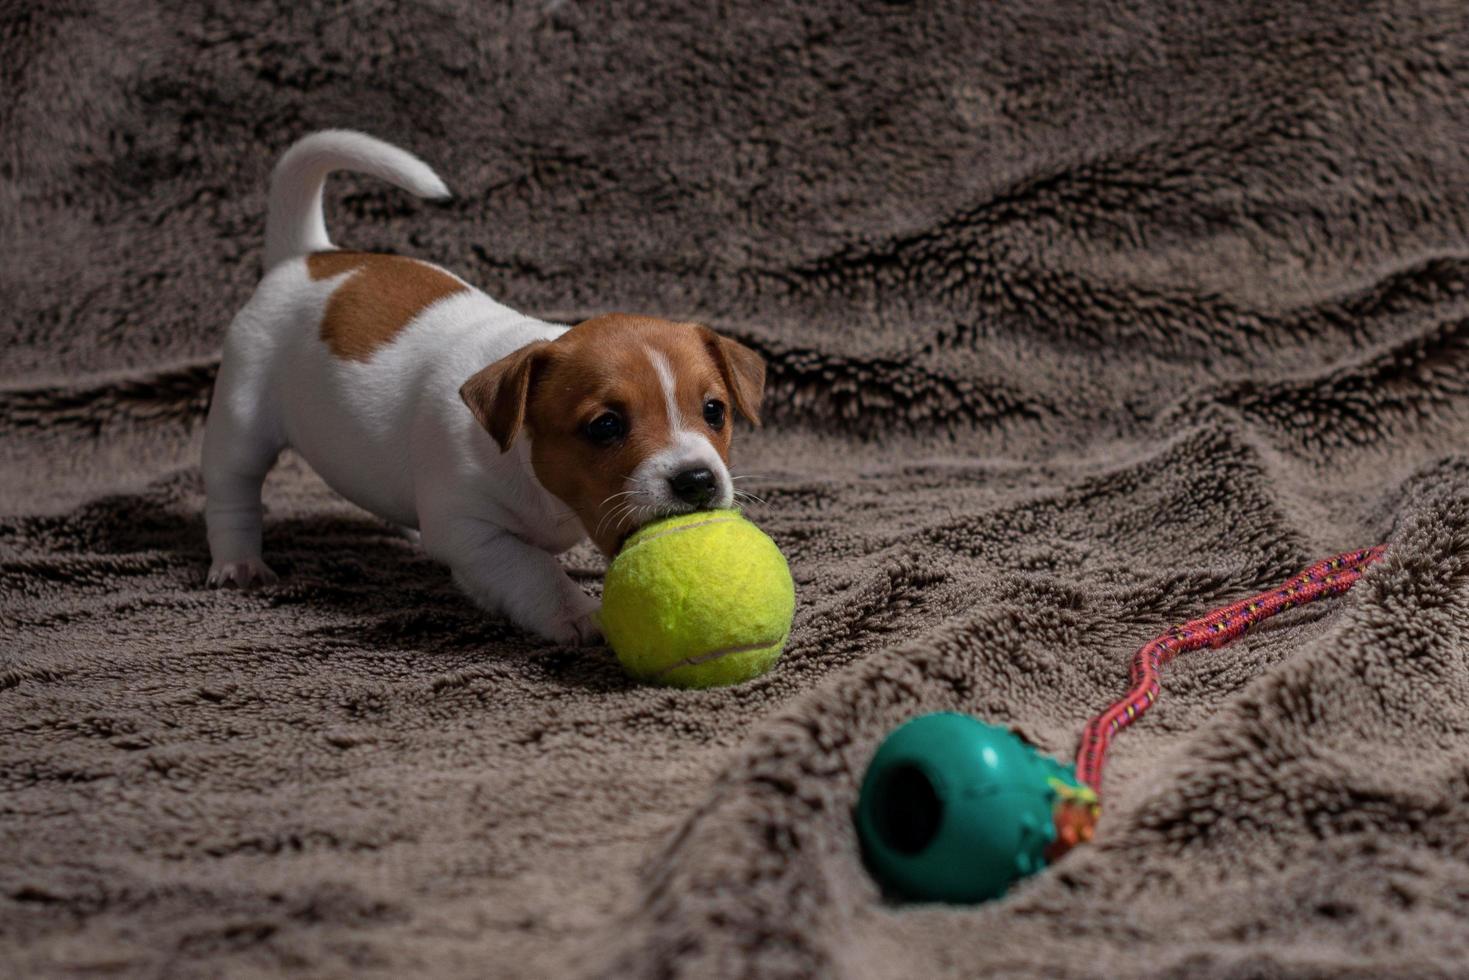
[(503, 440)]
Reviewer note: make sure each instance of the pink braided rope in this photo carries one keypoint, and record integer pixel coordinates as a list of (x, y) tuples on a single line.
[(1330, 577)]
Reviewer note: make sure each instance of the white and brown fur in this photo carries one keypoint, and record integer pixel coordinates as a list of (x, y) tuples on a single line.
[(421, 399)]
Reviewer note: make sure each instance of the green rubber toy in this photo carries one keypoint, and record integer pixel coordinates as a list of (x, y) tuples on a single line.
[(956, 810)]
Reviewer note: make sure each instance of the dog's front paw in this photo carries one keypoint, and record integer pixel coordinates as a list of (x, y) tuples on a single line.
[(244, 574), (576, 624)]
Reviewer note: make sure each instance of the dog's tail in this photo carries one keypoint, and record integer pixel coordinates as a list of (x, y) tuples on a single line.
[(294, 224)]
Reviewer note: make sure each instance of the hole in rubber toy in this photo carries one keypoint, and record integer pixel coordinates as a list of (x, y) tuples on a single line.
[(909, 811)]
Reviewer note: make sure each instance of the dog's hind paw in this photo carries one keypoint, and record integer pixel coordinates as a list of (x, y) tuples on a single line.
[(244, 574)]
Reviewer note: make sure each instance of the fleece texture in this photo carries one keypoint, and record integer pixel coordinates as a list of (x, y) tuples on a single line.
[(1082, 318)]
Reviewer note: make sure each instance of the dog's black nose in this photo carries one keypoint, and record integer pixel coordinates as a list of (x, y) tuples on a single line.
[(693, 486)]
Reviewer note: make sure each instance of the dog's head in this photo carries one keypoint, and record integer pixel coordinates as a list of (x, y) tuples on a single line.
[(628, 417)]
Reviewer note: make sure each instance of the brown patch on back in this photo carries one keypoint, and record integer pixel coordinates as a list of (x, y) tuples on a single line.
[(381, 297)]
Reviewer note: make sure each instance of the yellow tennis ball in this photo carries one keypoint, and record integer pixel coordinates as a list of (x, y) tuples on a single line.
[(698, 600)]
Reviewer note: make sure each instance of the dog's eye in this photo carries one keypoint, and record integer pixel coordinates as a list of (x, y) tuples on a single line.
[(605, 429), (714, 413)]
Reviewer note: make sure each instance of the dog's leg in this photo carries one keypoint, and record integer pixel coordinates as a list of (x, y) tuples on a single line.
[(241, 443), (506, 576)]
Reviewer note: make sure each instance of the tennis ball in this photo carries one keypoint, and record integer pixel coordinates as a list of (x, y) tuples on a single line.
[(698, 600)]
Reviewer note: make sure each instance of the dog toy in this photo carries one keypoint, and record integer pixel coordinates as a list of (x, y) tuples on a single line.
[(953, 809), (698, 600)]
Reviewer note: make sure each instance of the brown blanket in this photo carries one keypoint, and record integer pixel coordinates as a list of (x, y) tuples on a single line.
[(1082, 319)]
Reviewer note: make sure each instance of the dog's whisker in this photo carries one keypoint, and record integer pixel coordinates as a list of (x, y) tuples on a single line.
[(747, 495), (602, 521), (617, 514), (625, 510), (610, 516), (606, 516), (614, 496)]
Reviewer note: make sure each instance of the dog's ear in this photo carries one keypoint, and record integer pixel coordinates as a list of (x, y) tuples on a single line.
[(743, 370), (498, 394)]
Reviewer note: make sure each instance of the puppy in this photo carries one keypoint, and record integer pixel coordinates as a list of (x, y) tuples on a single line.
[(502, 439)]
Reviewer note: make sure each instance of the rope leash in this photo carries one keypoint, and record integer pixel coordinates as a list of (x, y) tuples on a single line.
[(1077, 815)]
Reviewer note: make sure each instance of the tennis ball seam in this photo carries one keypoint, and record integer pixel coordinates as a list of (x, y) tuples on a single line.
[(637, 543), (712, 655)]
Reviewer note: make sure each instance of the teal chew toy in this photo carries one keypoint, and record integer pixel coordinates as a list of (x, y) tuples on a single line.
[(956, 810)]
